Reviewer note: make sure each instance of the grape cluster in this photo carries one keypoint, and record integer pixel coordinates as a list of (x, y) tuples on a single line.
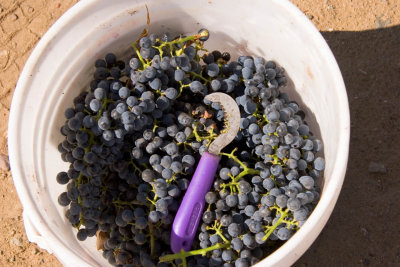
[(134, 138)]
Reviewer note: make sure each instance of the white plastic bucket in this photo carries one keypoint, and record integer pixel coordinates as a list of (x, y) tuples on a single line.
[(61, 65)]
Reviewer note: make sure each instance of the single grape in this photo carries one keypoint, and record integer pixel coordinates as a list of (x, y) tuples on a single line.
[(196, 87), (249, 210), (141, 223), (307, 145), (281, 201), (166, 173), (63, 199), (254, 129), (82, 234), (215, 85), (307, 182), (224, 173), (319, 164), (227, 255), (148, 175), (188, 160), (276, 169), (283, 233), (300, 214), (140, 238), (62, 178), (127, 215), (231, 200), (212, 69), (244, 187), (234, 230), (171, 93), (294, 204), (211, 197), (249, 241)]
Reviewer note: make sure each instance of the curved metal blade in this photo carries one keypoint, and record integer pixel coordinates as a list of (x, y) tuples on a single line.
[(231, 115)]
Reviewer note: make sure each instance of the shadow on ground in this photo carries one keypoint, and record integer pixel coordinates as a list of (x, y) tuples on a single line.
[(364, 227)]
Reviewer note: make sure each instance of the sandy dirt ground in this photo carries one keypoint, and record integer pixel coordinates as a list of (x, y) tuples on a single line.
[(364, 36)]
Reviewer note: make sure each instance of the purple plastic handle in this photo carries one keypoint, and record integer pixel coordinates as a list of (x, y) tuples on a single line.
[(189, 213)]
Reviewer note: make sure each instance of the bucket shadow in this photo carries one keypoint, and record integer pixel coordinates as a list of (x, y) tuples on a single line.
[(362, 229)]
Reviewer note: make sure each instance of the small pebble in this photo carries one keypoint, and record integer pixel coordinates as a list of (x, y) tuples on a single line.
[(4, 162), (364, 231), (375, 167), (16, 241)]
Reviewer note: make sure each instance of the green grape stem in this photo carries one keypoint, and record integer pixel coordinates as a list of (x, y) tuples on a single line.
[(275, 159), (91, 139), (261, 117), (217, 228), (185, 39), (151, 228), (271, 229), (194, 74), (246, 170), (152, 240), (129, 203), (184, 254), (196, 134), (105, 102), (135, 166), (199, 47), (210, 137), (144, 64), (232, 156), (79, 180), (181, 88), (170, 44), (151, 201), (80, 214)]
